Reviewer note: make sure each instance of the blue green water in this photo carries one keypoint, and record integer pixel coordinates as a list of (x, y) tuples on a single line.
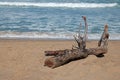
[(58, 19)]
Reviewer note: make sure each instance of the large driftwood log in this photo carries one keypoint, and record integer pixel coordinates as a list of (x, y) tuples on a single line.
[(61, 57)]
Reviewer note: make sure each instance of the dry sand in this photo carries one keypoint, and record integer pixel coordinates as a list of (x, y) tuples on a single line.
[(24, 60)]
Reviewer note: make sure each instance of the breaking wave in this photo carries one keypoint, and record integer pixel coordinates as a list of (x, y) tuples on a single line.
[(61, 5), (37, 35)]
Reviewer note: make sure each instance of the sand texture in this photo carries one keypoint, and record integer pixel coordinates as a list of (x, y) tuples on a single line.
[(24, 60)]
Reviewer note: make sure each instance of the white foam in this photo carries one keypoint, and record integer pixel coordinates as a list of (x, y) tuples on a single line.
[(34, 35), (67, 5), (51, 35)]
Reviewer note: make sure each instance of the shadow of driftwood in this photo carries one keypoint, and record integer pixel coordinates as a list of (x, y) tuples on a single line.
[(100, 55)]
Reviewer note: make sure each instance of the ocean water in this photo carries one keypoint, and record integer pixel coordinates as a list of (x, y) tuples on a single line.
[(58, 19)]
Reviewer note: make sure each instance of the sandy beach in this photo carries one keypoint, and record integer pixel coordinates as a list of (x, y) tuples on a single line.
[(24, 60)]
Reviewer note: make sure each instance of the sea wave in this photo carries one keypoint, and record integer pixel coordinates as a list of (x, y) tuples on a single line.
[(61, 5), (37, 35), (34, 35)]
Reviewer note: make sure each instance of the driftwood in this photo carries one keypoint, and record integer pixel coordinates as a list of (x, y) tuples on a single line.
[(61, 57)]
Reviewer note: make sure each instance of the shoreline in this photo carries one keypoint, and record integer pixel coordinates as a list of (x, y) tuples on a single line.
[(31, 39)]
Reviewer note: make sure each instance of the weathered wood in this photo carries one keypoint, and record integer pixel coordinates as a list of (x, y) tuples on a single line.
[(61, 57), (86, 28), (104, 35), (81, 40), (54, 53), (67, 56), (102, 44)]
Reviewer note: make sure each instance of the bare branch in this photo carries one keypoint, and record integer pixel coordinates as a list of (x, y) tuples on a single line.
[(104, 35), (86, 28)]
